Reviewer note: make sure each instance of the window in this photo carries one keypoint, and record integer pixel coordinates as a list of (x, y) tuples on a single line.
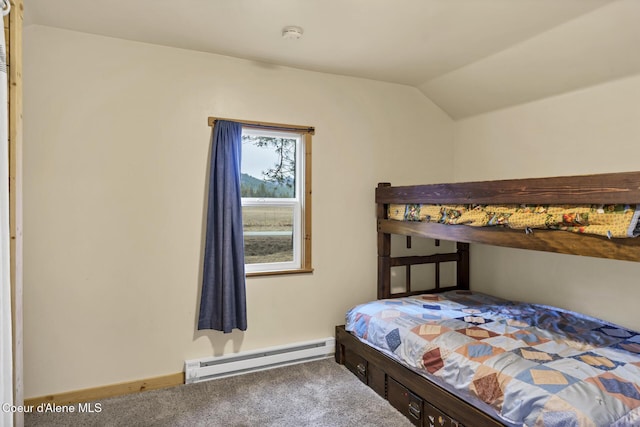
[(276, 199)]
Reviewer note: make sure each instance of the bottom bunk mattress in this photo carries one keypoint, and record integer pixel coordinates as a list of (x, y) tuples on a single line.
[(523, 364)]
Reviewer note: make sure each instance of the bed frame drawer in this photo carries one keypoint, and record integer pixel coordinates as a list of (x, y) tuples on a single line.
[(433, 417), (356, 364), (368, 373), (404, 401)]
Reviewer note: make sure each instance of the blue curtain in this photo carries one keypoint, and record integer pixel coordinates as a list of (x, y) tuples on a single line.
[(223, 303)]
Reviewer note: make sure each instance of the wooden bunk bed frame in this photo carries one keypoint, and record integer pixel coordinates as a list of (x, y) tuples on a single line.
[(423, 402)]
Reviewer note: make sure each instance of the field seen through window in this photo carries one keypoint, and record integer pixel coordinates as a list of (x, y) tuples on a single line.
[(268, 234)]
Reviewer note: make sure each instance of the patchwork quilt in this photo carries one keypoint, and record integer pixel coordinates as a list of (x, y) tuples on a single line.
[(613, 221), (525, 364)]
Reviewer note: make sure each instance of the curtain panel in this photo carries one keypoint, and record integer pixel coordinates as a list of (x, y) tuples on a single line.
[(223, 299)]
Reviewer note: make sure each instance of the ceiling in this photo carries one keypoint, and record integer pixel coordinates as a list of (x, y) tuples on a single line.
[(468, 56)]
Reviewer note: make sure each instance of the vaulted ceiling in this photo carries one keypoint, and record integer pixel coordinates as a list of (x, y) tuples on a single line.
[(467, 56)]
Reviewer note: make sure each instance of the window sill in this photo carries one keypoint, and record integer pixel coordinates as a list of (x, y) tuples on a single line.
[(280, 272)]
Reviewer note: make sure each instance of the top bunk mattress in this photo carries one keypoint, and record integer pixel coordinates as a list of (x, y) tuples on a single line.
[(524, 364), (612, 221)]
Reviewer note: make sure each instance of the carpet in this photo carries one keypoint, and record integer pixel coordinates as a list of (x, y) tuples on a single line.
[(320, 393)]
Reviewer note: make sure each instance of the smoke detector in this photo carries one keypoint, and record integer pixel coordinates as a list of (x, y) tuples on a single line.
[(292, 33)]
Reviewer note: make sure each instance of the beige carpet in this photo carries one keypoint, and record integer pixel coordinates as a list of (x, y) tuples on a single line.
[(320, 393)]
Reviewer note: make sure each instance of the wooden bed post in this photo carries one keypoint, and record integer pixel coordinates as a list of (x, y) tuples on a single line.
[(384, 251), (462, 266)]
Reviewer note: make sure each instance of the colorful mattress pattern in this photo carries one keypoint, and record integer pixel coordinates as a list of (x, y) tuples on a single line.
[(605, 220), (530, 365)]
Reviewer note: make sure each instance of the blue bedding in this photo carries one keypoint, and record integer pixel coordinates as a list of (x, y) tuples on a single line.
[(524, 364)]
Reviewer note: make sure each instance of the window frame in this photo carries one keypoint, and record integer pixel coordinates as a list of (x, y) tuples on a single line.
[(303, 158)]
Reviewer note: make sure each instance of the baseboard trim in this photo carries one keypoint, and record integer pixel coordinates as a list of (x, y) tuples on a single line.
[(112, 390)]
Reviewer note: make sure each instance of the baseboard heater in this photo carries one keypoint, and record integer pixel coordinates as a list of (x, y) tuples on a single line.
[(198, 370)]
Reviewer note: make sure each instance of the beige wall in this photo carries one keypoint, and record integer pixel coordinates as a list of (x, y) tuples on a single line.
[(116, 146), (594, 130)]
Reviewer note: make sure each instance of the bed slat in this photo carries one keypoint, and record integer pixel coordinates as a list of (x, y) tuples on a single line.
[(542, 240)]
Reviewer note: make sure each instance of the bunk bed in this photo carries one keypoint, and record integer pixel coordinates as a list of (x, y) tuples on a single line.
[(431, 400)]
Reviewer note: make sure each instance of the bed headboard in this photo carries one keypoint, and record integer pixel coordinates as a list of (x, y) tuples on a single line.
[(610, 188)]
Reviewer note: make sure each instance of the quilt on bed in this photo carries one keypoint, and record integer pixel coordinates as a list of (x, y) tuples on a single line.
[(617, 221), (533, 365)]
